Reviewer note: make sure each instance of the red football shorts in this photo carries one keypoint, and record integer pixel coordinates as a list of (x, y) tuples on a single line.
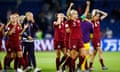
[(10, 47), (96, 43), (58, 44), (76, 44)]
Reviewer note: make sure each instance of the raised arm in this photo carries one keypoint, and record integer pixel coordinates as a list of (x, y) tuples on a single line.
[(87, 8), (69, 9), (104, 14)]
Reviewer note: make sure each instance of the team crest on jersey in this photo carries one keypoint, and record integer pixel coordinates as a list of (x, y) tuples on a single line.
[(8, 28), (58, 46), (98, 22), (78, 21), (74, 24), (74, 46), (59, 27), (66, 25), (98, 44), (18, 27), (9, 49)]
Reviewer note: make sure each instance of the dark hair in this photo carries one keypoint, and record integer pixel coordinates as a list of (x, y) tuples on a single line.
[(89, 16), (96, 13)]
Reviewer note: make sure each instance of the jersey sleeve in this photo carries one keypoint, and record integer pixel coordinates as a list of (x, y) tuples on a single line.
[(54, 24), (66, 25), (83, 17)]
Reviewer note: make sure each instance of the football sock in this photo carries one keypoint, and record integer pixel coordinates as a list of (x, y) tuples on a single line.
[(101, 62), (57, 63), (62, 60)]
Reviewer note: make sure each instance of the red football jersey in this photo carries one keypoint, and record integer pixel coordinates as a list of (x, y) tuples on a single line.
[(14, 38), (96, 29), (1, 35), (75, 30), (66, 34), (59, 32)]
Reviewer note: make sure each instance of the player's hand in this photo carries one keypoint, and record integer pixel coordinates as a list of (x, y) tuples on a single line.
[(30, 38), (88, 2), (26, 26), (71, 4)]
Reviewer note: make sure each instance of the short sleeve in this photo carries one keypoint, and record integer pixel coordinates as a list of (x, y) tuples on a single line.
[(83, 17)]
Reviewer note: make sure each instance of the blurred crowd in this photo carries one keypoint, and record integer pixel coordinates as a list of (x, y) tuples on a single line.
[(45, 10)]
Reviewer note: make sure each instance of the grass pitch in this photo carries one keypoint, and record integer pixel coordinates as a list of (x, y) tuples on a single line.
[(46, 61)]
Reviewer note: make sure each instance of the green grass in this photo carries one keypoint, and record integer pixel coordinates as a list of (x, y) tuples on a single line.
[(46, 61)]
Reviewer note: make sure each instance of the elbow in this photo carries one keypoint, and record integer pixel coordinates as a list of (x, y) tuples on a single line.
[(106, 14)]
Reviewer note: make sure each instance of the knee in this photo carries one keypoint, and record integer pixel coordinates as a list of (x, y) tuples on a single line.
[(8, 55), (74, 55), (19, 54), (58, 54), (13, 55)]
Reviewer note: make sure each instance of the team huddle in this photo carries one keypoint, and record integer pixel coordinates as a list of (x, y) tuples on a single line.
[(19, 41), (72, 36)]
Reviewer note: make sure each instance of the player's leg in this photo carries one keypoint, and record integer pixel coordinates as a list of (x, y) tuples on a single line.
[(25, 53), (93, 54), (26, 56), (13, 55), (63, 49), (92, 59), (74, 55), (101, 58), (82, 56), (68, 58), (64, 55), (0, 58), (7, 57), (31, 55), (84, 63), (0, 66), (57, 48), (21, 61), (87, 52), (58, 54), (8, 66)]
